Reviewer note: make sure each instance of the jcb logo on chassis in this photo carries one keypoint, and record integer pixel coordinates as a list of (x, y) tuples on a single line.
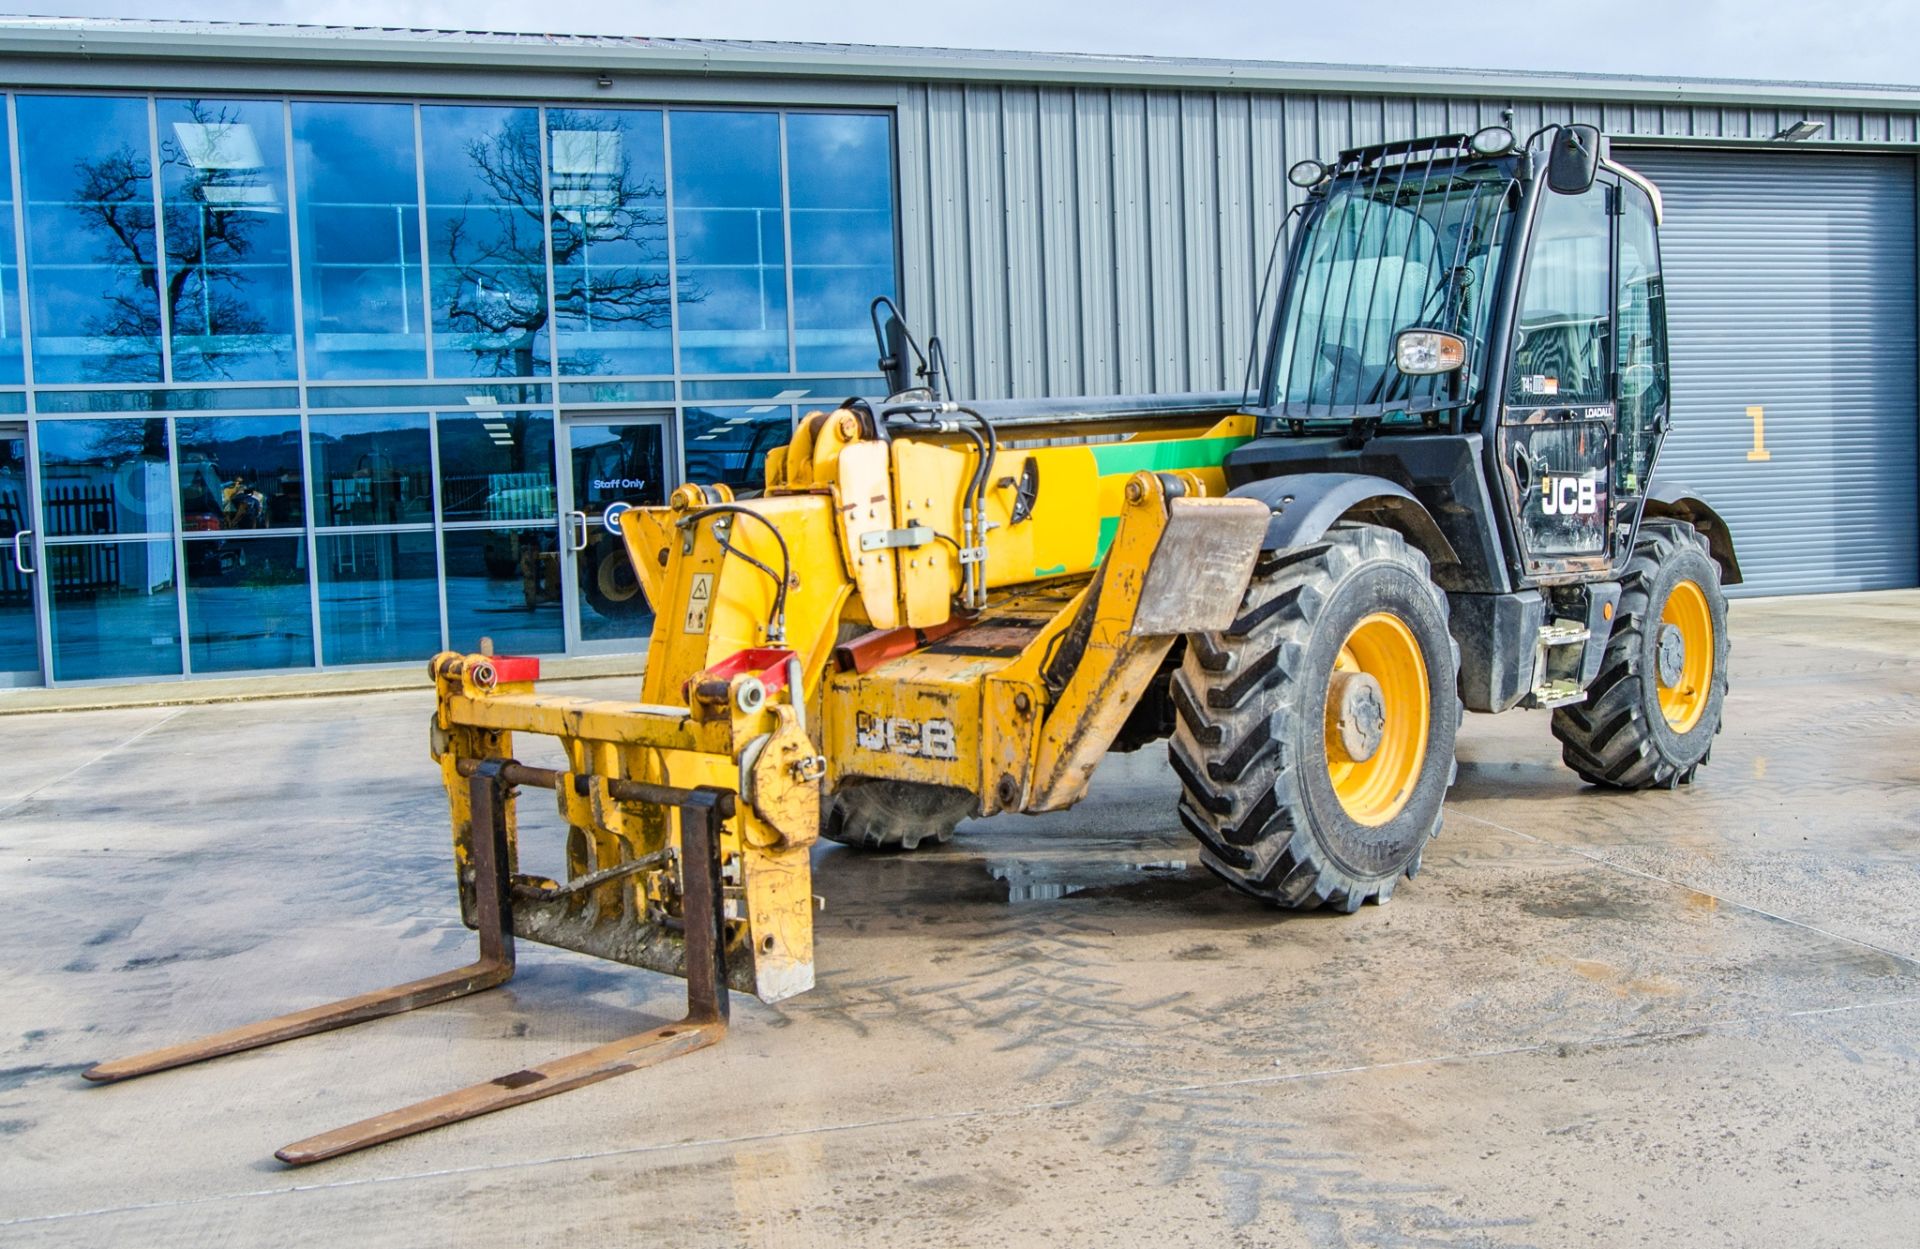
[(1569, 496), (898, 735)]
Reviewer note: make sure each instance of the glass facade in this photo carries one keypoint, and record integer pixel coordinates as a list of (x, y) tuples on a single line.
[(291, 383)]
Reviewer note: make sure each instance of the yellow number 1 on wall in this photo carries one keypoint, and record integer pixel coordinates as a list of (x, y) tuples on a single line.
[(1759, 451)]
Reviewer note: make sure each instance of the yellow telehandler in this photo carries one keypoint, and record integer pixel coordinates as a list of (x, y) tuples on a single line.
[(1437, 497)]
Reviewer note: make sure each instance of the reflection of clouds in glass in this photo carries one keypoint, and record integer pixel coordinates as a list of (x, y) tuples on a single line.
[(607, 183), (91, 242), (726, 160), (840, 172), (732, 301), (730, 242), (830, 135), (230, 307), (587, 166), (355, 175), (483, 184)]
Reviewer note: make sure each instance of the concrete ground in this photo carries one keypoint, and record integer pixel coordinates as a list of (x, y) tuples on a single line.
[(1595, 1019)]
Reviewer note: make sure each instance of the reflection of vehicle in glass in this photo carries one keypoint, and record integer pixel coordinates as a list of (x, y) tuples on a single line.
[(374, 492), (211, 500), (627, 470), (532, 556), (499, 496), (608, 580)]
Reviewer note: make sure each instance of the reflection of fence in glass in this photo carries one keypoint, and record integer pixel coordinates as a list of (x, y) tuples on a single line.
[(78, 509), (89, 570), (359, 557), (388, 498), (501, 496), (14, 504), (81, 499), (15, 588)]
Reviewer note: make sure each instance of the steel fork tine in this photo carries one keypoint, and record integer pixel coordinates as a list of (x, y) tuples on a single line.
[(704, 1025), (492, 916)]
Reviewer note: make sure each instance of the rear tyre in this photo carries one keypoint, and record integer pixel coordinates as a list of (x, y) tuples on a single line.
[(894, 815), (1314, 739), (1649, 718)]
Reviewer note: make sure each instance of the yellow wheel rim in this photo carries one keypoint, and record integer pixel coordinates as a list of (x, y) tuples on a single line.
[(1376, 788), (1685, 686)]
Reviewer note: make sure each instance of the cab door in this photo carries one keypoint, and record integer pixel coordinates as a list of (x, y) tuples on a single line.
[(1558, 412)]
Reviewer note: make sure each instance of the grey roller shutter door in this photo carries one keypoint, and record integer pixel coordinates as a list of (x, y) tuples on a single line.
[(1790, 285)]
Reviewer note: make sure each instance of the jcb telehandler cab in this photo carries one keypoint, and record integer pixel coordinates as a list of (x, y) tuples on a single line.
[(1465, 394), (1439, 496)]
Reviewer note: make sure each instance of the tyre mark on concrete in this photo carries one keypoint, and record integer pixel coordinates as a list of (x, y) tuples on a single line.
[(1905, 960), (1628, 1040), (23, 799)]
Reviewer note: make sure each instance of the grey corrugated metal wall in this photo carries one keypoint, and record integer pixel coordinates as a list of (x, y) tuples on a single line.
[(1072, 240), (1790, 285)]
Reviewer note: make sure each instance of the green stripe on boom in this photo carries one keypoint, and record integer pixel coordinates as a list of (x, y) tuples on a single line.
[(1114, 459), (1153, 457)]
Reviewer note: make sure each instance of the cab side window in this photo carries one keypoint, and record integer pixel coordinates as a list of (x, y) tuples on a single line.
[(1560, 339), (1643, 342)]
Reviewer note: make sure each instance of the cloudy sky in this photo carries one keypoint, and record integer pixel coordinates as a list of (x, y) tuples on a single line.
[(1860, 41)]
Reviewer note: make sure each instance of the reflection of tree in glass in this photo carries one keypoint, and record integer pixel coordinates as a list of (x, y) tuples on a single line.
[(212, 219), (222, 201), (210, 233), (111, 197), (490, 267), (117, 441)]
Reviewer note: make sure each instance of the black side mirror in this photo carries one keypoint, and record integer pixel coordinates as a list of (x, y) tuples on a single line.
[(898, 351), (1573, 158)]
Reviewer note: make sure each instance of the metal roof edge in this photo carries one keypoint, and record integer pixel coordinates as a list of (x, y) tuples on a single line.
[(469, 50)]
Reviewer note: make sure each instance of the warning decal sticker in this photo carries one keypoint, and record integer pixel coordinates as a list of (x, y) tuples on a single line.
[(699, 599)]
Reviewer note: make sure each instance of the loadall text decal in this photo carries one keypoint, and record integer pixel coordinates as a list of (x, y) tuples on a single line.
[(898, 735), (1569, 496)]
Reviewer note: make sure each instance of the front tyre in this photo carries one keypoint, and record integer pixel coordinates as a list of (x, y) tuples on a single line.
[(1314, 738), (1649, 718)]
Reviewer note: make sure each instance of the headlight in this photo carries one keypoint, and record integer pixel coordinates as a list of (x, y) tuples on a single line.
[(1491, 141), (1424, 352), (1308, 173)]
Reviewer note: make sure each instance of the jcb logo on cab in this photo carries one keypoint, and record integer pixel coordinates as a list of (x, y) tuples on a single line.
[(1569, 496)]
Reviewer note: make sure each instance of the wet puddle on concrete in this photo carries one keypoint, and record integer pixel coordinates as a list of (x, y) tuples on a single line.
[(1047, 879)]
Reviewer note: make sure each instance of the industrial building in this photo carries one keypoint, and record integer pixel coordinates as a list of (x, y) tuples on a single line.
[(325, 347)]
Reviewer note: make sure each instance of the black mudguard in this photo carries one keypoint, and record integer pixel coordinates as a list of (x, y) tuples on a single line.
[(1666, 500), (1305, 506)]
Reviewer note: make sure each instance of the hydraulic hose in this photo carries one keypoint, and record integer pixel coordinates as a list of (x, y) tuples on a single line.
[(778, 631)]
